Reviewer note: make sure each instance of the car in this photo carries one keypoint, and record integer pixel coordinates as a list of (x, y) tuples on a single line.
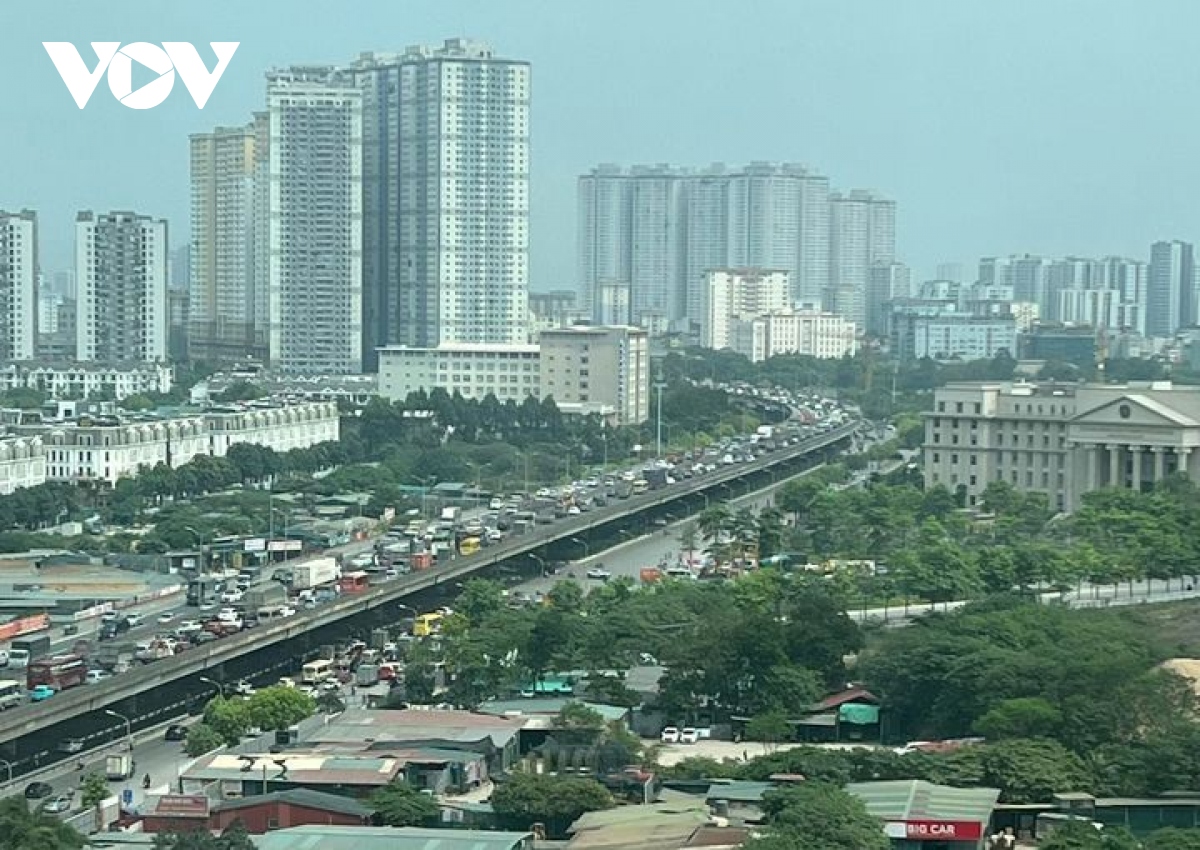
[(166, 616), (176, 732), (109, 617), (231, 596), (189, 627), (59, 804), (573, 510), (70, 745), (670, 735), (94, 676), (331, 685), (38, 790), (133, 619), (689, 735), (599, 574), (243, 688), (203, 637), (40, 692)]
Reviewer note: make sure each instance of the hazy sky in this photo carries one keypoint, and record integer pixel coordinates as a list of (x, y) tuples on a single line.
[(1048, 126)]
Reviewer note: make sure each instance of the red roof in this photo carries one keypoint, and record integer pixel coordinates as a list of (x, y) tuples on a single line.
[(841, 698)]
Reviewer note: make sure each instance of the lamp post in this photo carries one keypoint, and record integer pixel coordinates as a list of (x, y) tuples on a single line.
[(587, 550), (128, 726), (659, 386), (219, 686)]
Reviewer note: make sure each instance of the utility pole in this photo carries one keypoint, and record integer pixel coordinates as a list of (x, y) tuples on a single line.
[(659, 386)]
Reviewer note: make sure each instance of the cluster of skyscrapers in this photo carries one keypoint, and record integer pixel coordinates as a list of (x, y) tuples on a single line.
[(380, 202), (649, 236)]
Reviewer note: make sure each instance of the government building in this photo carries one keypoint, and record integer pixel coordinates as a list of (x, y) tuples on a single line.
[(1063, 440)]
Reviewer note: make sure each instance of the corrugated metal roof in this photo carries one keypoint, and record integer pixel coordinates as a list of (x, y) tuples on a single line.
[(916, 799), (388, 838)]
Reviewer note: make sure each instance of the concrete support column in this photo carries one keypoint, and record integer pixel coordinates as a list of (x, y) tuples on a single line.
[(1160, 463), (1093, 467), (1184, 455), (1114, 465), (1136, 453)]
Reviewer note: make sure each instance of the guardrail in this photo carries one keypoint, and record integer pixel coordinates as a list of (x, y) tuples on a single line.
[(26, 719)]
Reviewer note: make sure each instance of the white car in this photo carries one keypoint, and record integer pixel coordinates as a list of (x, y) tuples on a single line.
[(190, 627), (599, 574), (134, 619), (231, 596), (689, 735), (573, 510), (166, 616), (670, 735), (94, 676), (59, 804), (227, 615)]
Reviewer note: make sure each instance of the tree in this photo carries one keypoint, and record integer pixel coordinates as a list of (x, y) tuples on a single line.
[(527, 798), (1022, 717), (1173, 838), (94, 790), (278, 707), (228, 718), (770, 728), (25, 828), (1032, 771), (234, 837), (400, 804), (819, 816), (201, 739), (1083, 835), (329, 702)]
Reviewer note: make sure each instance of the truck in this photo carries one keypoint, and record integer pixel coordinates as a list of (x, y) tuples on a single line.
[(266, 596), (655, 477), (156, 651), (118, 767), (202, 591), (315, 573), (623, 489), (450, 514), (112, 655), (366, 675), (24, 650)]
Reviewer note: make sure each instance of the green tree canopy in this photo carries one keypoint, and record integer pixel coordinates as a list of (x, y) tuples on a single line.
[(25, 827), (819, 816), (527, 798), (400, 804)]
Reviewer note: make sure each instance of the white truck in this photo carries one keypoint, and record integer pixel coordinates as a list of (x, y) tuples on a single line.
[(118, 767), (315, 573)]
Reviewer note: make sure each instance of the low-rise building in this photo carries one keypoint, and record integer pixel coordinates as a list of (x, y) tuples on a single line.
[(22, 463), (391, 838), (281, 427), (87, 380), (940, 331), (594, 369), (1063, 440), (809, 332), (474, 370), (733, 295)]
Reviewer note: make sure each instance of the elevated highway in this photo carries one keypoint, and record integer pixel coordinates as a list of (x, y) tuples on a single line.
[(142, 693)]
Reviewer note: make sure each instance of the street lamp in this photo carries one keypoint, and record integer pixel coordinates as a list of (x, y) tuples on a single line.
[(220, 687), (587, 550), (128, 726)]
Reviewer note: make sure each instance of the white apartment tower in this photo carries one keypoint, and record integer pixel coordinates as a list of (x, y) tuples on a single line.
[(121, 287), (459, 146), (1171, 298), (660, 230), (862, 232), (223, 319), (315, 221), (18, 285), (732, 295)]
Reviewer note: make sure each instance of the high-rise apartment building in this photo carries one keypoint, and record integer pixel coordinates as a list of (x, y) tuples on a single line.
[(1171, 297), (315, 221), (121, 287), (659, 230), (812, 333), (862, 233), (18, 285), (885, 283), (224, 288), (733, 295), (446, 196)]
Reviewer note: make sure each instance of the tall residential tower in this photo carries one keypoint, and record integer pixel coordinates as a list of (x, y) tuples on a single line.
[(18, 285)]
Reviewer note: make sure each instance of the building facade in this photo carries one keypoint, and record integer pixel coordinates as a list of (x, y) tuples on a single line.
[(937, 329), (597, 369), (886, 282), (315, 221), (1171, 298), (808, 332), (22, 463), (19, 319), (509, 372), (735, 295), (88, 380), (659, 230), (223, 292), (1063, 440), (447, 154), (121, 287), (862, 233), (100, 450)]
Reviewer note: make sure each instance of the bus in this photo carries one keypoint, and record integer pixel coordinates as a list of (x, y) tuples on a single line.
[(60, 672), (12, 693), (315, 672), (426, 624), (354, 582)]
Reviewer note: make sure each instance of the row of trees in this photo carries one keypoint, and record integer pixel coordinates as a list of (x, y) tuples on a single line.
[(227, 721)]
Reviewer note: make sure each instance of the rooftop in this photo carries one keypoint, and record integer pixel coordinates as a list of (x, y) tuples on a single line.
[(547, 706), (302, 768), (305, 797), (661, 826), (388, 838), (358, 726), (902, 800)]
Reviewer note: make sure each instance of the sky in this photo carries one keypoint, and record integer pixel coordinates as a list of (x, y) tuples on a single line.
[(1044, 126)]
